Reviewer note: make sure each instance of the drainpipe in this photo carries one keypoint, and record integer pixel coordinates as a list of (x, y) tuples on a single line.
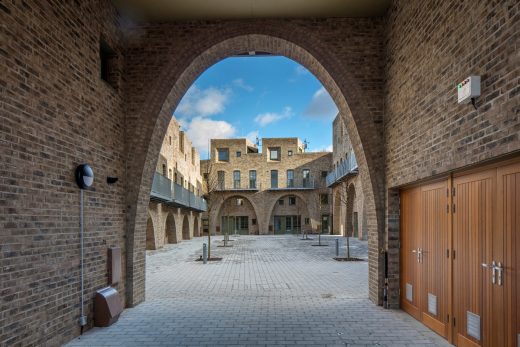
[(385, 288), (82, 317)]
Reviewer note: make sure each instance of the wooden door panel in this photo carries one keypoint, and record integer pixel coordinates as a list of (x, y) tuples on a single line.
[(472, 225), (508, 230), (410, 239), (434, 264)]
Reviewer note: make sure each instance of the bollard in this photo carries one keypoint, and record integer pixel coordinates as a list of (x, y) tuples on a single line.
[(337, 247), (204, 253), (225, 239)]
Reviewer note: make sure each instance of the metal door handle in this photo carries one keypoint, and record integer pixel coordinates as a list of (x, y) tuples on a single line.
[(493, 268), (418, 252), (500, 270)]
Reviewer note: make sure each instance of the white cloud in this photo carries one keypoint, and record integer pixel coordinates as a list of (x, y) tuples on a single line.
[(264, 119), (201, 130), (251, 136), (321, 106), (328, 148), (203, 102), (240, 83), (322, 149), (300, 70)]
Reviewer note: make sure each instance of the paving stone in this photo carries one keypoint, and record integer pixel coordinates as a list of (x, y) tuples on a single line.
[(267, 290)]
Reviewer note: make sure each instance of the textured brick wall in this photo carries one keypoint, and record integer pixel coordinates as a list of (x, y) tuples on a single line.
[(430, 47), (56, 113)]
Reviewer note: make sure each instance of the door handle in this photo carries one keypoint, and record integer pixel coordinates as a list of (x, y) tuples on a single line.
[(493, 268), (500, 270), (418, 252)]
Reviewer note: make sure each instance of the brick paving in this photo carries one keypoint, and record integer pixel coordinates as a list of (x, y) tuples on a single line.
[(267, 291)]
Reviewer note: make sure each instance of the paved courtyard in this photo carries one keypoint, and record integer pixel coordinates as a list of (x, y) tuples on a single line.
[(267, 291)]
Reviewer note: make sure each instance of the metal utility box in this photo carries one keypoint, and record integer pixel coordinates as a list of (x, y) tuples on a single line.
[(107, 307), (114, 265)]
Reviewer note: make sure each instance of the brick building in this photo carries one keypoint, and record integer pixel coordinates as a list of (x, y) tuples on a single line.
[(277, 190), (176, 198), (82, 82), (348, 210)]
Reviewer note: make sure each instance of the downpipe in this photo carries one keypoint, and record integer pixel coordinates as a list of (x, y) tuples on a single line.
[(82, 317), (385, 288)]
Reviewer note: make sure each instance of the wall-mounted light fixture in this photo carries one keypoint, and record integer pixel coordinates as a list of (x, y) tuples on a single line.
[(111, 179)]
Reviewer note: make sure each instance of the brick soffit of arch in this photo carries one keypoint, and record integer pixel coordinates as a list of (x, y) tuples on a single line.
[(166, 92)]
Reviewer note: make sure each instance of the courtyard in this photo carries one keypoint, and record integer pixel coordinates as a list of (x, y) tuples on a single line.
[(267, 290)]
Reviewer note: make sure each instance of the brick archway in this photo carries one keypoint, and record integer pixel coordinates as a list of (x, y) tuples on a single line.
[(170, 229), (349, 216), (185, 228), (216, 217), (300, 199), (150, 234), (171, 73)]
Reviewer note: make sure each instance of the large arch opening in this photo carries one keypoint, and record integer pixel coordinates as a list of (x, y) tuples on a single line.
[(171, 229), (336, 77), (289, 214), (150, 234), (237, 215), (196, 230), (185, 228)]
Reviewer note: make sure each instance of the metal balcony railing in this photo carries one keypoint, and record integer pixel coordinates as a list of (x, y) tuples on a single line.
[(166, 191), (297, 184), (345, 168)]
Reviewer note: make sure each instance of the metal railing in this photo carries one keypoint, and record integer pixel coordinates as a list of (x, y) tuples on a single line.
[(166, 191), (345, 168), (302, 183)]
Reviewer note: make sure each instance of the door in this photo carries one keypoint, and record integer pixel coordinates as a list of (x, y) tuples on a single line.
[(409, 256), (505, 325), (472, 228), (433, 259), (325, 223), (288, 224)]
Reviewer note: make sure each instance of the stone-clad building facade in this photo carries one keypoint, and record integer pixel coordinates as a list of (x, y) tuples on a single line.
[(392, 77), (178, 166), (348, 210), (277, 190)]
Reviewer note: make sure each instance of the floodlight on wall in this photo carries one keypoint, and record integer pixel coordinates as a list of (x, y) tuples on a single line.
[(84, 176)]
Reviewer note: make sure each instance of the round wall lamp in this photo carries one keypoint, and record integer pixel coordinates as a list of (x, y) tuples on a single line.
[(84, 176)]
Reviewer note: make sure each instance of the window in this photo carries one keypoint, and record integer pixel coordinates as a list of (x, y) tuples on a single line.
[(240, 202), (280, 202), (164, 170), (192, 156), (252, 179), (274, 178), (239, 154), (107, 58), (181, 142), (274, 153), (324, 199), (323, 174), (170, 140), (289, 153), (307, 221), (205, 175), (241, 223), (221, 180), (292, 200), (236, 179), (253, 221), (290, 178), (306, 178), (223, 154)]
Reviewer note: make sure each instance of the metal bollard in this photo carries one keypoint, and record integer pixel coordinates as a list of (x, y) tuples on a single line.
[(204, 253), (225, 239), (337, 247)]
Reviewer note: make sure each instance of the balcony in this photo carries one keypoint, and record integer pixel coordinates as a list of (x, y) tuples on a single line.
[(238, 187), (302, 184), (346, 168), (167, 192)]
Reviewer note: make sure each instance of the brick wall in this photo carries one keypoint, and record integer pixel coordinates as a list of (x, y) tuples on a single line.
[(430, 47), (56, 113)]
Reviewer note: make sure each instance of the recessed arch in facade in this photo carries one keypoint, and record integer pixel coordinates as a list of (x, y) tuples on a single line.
[(196, 231), (168, 79), (170, 229), (185, 228), (292, 216), (150, 234), (237, 213), (350, 219)]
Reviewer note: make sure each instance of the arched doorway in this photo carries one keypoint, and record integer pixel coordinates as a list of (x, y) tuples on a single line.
[(185, 228), (289, 215), (351, 219), (237, 214), (196, 231), (170, 229), (150, 234), (168, 82)]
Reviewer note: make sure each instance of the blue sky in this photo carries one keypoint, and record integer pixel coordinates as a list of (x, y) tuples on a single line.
[(257, 96)]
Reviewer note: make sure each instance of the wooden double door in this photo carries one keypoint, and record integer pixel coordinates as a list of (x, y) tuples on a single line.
[(459, 256)]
